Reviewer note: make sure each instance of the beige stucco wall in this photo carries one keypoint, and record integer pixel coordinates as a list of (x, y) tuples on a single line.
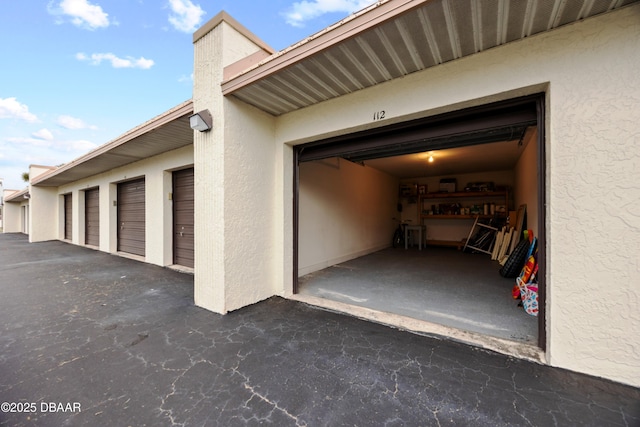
[(12, 215), (158, 185), (43, 214), (236, 169), (589, 71)]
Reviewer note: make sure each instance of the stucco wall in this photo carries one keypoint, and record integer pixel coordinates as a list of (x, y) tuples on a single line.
[(249, 207), (43, 214), (12, 220), (589, 71), (346, 211), (157, 173), (235, 168)]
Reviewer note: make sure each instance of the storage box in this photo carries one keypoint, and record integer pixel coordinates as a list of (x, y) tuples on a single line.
[(448, 185), (408, 190)]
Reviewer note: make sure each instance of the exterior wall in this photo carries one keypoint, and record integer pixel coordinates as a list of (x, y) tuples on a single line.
[(346, 206), (235, 166), (593, 230), (43, 214), (249, 205), (157, 173), (12, 222)]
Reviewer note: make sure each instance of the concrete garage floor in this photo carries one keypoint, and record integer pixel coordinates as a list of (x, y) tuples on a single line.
[(124, 341), (439, 285)]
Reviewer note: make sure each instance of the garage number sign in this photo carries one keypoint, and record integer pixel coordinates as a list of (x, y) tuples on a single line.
[(379, 115)]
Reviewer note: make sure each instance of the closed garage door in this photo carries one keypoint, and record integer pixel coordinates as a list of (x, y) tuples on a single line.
[(183, 196), (92, 217), (68, 215), (131, 217)]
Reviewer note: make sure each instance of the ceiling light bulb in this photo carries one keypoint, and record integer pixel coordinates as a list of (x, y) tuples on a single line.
[(430, 159)]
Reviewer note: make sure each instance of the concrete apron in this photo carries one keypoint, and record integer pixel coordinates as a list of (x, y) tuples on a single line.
[(503, 346)]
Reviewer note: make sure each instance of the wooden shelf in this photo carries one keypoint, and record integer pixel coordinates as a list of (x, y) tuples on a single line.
[(459, 194), (468, 198), (423, 216)]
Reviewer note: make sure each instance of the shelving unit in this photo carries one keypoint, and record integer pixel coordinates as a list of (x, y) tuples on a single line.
[(477, 197)]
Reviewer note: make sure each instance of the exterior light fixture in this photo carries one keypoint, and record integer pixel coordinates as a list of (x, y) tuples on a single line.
[(201, 121), (430, 159)]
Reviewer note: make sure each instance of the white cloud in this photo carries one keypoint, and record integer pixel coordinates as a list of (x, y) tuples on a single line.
[(186, 16), (43, 134), (83, 14), (186, 79), (305, 10), (73, 123), (81, 146), (33, 142), (76, 147), (116, 62), (10, 108)]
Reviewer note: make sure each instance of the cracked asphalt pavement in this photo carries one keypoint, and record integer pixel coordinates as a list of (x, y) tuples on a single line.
[(88, 338)]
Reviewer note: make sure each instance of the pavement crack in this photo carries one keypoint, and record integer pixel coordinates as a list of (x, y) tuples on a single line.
[(274, 404)]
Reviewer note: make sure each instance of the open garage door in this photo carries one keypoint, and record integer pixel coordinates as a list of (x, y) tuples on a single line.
[(131, 217), (348, 187), (183, 217), (92, 217)]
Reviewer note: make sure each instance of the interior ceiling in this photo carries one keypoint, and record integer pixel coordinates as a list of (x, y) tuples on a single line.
[(396, 38), (452, 161)]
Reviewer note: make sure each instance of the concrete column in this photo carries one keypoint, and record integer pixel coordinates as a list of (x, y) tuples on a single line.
[(219, 264), (43, 214)]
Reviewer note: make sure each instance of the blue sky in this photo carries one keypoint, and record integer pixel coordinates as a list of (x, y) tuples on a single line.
[(76, 74)]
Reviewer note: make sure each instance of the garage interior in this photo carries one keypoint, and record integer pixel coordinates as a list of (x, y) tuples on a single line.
[(352, 193)]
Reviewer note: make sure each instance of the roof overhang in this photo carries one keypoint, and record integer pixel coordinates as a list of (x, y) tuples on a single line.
[(17, 196), (394, 38), (166, 132)]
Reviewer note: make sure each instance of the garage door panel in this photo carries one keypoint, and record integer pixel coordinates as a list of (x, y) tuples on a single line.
[(92, 217), (68, 217), (183, 217), (132, 217)]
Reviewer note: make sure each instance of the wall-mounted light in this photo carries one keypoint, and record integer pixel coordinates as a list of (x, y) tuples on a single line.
[(201, 121), (430, 159)]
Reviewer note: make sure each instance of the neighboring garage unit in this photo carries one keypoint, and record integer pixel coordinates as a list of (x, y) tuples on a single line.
[(349, 194), (68, 216), (183, 217), (131, 217), (92, 217)]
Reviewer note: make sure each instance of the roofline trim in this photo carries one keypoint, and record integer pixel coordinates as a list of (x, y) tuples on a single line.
[(347, 28), (164, 118), (225, 17), (17, 193)]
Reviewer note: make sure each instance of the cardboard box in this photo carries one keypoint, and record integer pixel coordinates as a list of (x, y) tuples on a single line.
[(448, 185)]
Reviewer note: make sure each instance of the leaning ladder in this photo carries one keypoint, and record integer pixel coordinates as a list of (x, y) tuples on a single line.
[(478, 224)]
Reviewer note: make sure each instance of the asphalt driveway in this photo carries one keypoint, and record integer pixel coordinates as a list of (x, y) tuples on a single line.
[(88, 338)]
